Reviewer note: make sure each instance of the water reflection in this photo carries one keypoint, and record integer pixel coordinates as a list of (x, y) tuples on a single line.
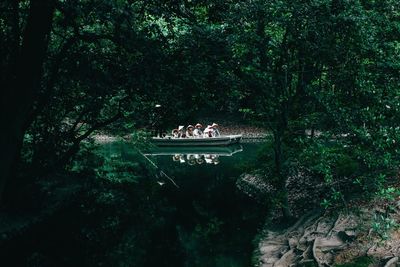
[(196, 155), (193, 159), (192, 213)]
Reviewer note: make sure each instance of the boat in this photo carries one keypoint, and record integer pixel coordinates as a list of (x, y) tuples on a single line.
[(223, 140)]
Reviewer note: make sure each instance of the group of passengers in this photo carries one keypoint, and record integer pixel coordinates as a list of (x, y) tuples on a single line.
[(196, 131)]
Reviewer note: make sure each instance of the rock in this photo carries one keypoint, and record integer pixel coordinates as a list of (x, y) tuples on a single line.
[(329, 244), (348, 235), (328, 239), (293, 242), (305, 263), (286, 260), (307, 255), (312, 238), (392, 262)]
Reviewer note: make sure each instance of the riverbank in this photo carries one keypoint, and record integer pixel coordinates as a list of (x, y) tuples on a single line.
[(365, 233), (247, 132), (352, 238)]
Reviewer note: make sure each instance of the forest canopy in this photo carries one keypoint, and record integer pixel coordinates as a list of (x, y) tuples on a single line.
[(308, 71)]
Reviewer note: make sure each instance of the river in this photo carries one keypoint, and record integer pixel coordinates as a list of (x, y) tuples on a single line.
[(209, 222)]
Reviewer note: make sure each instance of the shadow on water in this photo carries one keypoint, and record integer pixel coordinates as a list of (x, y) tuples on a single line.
[(210, 223), (118, 210)]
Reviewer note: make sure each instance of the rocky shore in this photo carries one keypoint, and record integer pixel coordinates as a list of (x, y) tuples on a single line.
[(366, 232), (331, 239)]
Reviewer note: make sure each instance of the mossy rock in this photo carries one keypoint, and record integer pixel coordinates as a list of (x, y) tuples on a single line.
[(358, 262)]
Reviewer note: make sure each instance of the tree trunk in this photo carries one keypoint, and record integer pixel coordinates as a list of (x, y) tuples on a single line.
[(22, 86), (278, 155)]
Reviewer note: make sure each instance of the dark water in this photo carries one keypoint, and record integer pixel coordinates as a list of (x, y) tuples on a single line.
[(121, 208), (200, 218)]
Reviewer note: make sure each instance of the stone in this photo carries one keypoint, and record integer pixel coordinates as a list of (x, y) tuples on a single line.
[(392, 262)]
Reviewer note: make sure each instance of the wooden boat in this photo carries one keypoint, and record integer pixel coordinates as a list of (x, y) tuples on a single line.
[(223, 140)]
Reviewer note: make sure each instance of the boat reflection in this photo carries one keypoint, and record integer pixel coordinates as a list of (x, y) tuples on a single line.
[(196, 155), (193, 159)]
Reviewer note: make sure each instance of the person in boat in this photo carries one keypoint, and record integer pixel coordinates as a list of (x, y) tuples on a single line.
[(181, 132), (215, 132), (208, 132), (189, 131), (175, 133), (197, 131)]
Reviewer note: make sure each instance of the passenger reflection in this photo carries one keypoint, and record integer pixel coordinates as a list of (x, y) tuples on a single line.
[(199, 159), (192, 159), (208, 158)]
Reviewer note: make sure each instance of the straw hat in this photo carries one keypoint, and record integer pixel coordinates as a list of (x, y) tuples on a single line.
[(198, 125)]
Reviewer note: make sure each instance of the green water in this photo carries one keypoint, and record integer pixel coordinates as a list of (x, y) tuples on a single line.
[(205, 220)]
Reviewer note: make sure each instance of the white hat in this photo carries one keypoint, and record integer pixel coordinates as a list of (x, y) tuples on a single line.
[(190, 126), (208, 129), (214, 125), (180, 127)]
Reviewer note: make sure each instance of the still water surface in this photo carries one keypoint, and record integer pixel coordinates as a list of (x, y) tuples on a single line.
[(210, 222)]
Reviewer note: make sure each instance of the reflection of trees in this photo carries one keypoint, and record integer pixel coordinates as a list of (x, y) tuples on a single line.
[(196, 159)]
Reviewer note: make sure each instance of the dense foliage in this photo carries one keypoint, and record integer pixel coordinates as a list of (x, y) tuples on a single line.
[(322, 76)]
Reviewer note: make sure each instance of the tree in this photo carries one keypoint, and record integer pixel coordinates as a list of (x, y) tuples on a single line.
[(22, 71)]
